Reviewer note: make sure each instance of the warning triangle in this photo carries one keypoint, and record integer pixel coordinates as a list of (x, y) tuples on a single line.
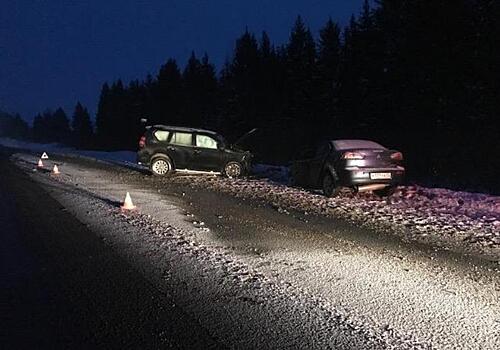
[(45, 156)]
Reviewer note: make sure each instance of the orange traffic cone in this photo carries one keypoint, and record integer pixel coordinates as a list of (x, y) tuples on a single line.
[(40, 163), (55, 171), (128, 205)]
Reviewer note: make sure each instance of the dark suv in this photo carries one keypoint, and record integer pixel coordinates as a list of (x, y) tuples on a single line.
[(166, 149)]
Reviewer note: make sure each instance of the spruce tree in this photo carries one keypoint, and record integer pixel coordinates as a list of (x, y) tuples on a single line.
[(301, 78), (103, 127), (168, 97), (193, 90), (239, 86), (208, 98), (82, 127), (59, 126), (329, 50)]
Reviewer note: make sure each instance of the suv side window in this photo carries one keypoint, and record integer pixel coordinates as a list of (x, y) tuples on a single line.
[(205, 141), (162, 135), (182, 139)]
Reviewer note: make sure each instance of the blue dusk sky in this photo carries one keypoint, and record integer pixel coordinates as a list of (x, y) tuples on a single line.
[(54, 53)]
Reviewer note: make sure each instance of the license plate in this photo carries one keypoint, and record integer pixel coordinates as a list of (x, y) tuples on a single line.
[(380, 176)]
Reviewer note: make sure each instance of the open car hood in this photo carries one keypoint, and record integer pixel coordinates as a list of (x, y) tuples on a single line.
[(245, 136)]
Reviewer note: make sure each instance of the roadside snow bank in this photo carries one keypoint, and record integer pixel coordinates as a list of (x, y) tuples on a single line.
[(412, 212), (276, 173), (127, 158)]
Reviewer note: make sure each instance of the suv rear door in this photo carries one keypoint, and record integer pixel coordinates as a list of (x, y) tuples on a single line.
[(180, 149), (207, 155)]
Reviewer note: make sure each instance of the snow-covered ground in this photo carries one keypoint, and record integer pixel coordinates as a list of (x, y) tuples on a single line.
[(127, 158), (260, 278), (413, 212)]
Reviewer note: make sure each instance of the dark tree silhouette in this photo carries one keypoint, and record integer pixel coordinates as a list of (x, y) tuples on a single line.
[(200, 92), (58, 125), (300, 110), (328, 65), (81, 125), (13, 126), (51, 127), (168, 96), (239, 86), (103, 128), (301, 73), (420, 76)]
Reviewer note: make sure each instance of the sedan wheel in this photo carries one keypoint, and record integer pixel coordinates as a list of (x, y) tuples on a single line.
[(233, 169), (161, 166), (330, 188)]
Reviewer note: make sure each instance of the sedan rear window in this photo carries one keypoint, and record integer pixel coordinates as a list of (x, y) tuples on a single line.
[(341, 145)]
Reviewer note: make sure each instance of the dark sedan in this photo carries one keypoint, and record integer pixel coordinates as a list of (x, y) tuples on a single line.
[(360, 164)]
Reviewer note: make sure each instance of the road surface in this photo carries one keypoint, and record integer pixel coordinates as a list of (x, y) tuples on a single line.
[(242, 273)]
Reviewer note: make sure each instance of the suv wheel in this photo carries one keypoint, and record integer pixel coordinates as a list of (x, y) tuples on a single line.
[(161, 166), (330, 188), (233, 169)]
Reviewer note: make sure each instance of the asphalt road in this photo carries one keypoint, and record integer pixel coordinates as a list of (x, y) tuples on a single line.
[(62, 287), (253, 275)]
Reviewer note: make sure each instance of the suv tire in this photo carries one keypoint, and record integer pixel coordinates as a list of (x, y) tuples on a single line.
[(161, 166), (233, 170)]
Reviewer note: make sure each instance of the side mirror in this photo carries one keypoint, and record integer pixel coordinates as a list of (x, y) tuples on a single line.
[(144, 120)]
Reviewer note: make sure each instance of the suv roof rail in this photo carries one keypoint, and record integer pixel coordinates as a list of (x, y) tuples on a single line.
[(181, 128)]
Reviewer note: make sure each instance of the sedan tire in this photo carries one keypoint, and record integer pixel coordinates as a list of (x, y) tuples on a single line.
[(330, 187)]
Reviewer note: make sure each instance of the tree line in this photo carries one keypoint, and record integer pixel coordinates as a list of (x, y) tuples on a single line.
[(56, 127), (419, 76), (51, 127), (13, 126)]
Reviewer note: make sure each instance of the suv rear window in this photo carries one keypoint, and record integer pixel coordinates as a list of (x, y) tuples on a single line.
[(182, 138), (162, 135)]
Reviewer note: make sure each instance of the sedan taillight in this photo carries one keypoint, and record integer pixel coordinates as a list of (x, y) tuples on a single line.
[(352, 155), (142, 142), (397, 156)]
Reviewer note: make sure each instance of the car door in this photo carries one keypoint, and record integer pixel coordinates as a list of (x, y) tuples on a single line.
[(317, 164), (300, 167), (180, 149), (207, 155)]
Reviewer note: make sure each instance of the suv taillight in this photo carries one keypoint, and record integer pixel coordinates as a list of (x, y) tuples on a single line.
[(352, 155), (397, 156), (142, 142)]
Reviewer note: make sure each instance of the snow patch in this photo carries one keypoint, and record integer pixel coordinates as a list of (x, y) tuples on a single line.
[(464, 216)]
